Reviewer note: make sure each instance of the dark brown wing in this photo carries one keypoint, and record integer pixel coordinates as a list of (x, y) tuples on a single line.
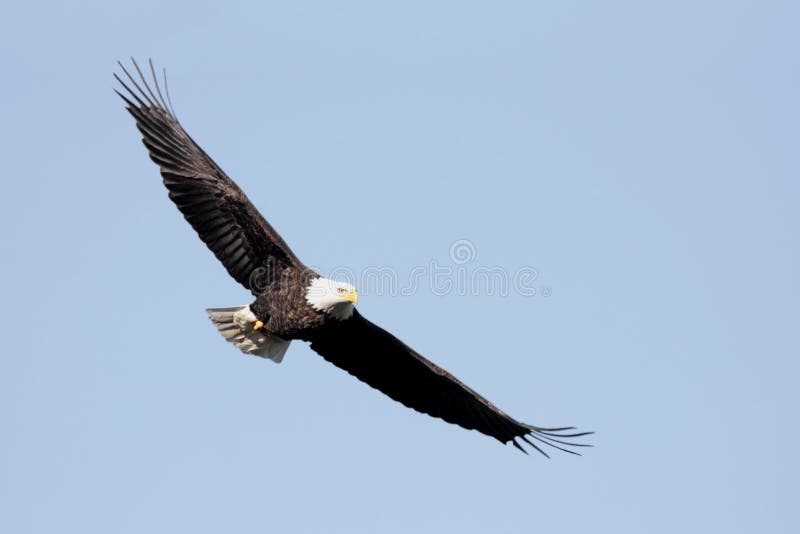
[(249, 248), (376, 357)]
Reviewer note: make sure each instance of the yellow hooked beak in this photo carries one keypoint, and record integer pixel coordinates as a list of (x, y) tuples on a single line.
[(351, 297)]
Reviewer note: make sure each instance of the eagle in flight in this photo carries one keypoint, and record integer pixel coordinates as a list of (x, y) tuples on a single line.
[(292, 302)]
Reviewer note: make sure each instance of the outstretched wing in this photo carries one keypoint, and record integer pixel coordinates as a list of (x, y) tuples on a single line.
[(376, 357), (249, 248)]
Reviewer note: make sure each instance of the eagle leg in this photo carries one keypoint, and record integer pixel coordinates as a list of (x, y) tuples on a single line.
[(258, 326)]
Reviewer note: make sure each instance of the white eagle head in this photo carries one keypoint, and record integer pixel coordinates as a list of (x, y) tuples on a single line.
[(331, 297)]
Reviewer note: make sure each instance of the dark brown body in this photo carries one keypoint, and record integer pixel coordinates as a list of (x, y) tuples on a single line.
[(283, 308)]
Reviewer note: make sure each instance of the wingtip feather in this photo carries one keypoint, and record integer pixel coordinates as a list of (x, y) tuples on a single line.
[(549, 436)]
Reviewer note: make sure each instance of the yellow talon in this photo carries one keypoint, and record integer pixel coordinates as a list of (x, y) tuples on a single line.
[(258, 325)]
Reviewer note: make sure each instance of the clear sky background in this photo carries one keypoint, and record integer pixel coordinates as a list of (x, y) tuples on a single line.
[(641, 156)]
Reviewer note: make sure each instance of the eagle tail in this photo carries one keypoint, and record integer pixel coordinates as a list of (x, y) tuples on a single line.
[(236, 326)]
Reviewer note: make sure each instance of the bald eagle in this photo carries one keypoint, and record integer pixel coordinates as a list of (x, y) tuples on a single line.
[(292, 302)]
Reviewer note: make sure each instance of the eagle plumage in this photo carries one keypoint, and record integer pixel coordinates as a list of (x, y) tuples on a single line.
[(256, 256)]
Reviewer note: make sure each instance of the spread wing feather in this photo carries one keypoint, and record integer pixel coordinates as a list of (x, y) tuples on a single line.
[(378, 358), (227, 222)]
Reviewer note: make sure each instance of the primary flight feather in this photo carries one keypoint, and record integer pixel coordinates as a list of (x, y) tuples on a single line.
[(292, 301)]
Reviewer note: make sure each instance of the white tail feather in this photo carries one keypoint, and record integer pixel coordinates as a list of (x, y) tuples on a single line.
[(236, 326)]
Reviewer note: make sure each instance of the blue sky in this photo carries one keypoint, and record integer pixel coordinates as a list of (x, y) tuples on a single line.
[(640, 158)]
